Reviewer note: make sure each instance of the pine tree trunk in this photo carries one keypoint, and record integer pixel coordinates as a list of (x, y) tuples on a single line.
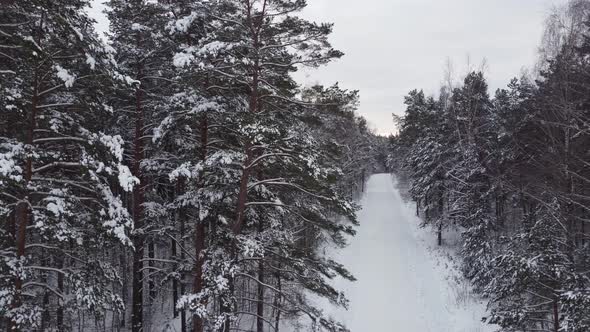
[(138, 199), (46, 316), (426, 209), (243, 193), (60, 288), (174, 254), (260, 292), (22, 207), (200, 232), (11, 228), (363, 181), (198, 279), (583, 231), (11, 232), (225, 306), (151, 281), (123, 259), (182, 217), (253, 108), (137, 297), (555, 316), (440, 216), (278, 301)]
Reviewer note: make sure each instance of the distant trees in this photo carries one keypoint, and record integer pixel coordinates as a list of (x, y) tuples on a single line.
[(513, 173), (178, 175), (420, 141)]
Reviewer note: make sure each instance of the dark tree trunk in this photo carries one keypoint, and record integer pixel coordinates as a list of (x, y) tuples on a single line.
[(243, 193), (11, 228), (151, 281), (22, 208), (200, 232), (440, 216), (252, 108), (138, 200), (555, 316), (278, 301), (174, 254), (228, 307), (363, 182), (60, 287), (198, 280), (427, 208), (137, 297), (182, 217), (123, 258), (46, 317), (260, 292), (226, 301)]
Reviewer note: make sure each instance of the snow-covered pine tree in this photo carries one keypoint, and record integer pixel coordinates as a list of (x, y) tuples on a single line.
[(61, 171), (139, 34), (344, 136), (469, 175), (548, 251), (192, 139), (424, 132), (507, 119), (515, 171), (271, 172)]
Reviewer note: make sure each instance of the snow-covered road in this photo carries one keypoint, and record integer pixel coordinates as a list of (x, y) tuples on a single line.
[(401, 285)]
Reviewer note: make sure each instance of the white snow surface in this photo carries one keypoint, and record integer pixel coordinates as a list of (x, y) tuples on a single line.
[(405, 282)]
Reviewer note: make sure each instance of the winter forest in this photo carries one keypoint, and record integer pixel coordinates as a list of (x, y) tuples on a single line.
[(172, 174), (176, 172), (511, 170)]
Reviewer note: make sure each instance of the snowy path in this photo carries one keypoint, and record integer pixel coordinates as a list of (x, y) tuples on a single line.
[(400, 286)]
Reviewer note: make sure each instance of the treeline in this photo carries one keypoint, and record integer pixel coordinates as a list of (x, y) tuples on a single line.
[(512, 172), (176, 177)]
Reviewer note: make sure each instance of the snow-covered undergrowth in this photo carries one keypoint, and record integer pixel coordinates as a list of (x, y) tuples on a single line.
[(465, 307)]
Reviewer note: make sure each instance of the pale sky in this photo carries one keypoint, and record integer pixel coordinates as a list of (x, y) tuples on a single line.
[(394, 46)]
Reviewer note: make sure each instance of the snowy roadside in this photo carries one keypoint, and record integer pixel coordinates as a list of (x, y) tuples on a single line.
[(465, 307)]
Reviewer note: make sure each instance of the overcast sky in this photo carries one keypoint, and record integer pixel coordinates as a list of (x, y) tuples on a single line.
[(393, 46)]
